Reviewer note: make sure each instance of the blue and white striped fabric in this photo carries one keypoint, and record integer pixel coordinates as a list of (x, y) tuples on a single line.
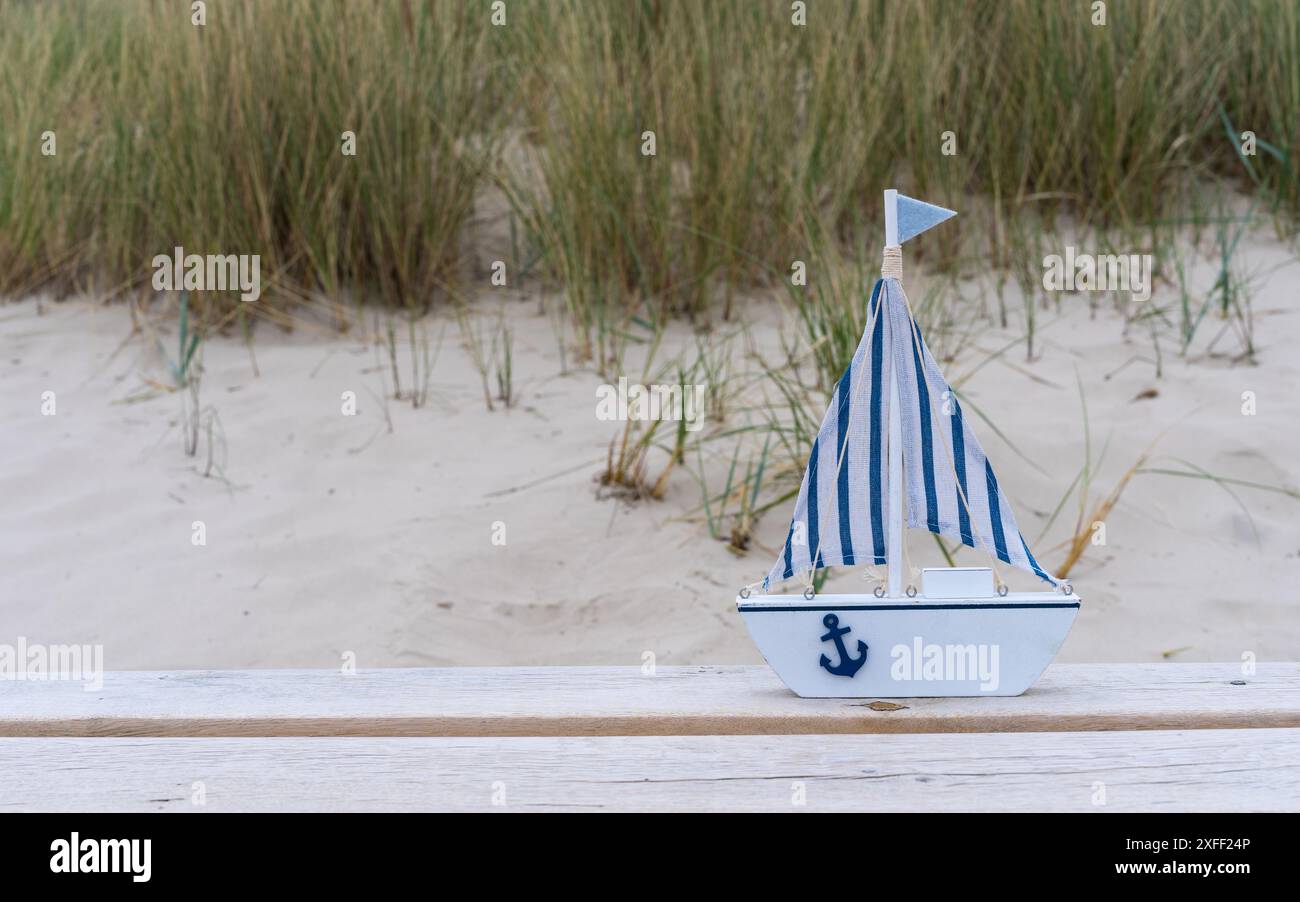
[(950, 486), (951, 489), (845, 520)]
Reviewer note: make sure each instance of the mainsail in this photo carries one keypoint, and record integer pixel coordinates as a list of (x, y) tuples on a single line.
[(842, 511), (841, 516)]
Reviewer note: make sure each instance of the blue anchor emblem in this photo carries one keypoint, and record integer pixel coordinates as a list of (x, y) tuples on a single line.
[(847, 666)]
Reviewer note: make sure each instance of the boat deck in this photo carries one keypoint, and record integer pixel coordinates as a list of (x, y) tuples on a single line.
[(1094, 737)]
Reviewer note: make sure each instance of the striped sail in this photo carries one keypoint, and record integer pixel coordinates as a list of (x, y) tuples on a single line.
[(841, 516)]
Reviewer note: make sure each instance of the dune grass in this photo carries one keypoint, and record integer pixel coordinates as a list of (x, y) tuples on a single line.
[(226, 138), (767, 133)]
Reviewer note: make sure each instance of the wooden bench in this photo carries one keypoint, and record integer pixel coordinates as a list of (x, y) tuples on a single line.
[(1087, 737)]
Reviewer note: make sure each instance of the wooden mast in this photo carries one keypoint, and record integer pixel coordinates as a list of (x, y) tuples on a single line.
[(894, 548)]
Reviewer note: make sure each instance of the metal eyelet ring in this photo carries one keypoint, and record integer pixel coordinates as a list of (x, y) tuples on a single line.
[(1067, 589), (911, 591), (879, 591), (1002, 590), (809, 594), (744, 593)]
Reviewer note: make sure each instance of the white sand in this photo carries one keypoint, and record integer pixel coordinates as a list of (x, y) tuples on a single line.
[(333, 536)]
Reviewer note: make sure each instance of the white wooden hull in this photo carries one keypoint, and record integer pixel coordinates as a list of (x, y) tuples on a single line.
[(914, 647)]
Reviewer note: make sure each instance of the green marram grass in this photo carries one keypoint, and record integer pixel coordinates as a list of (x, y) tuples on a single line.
[(226, 138)]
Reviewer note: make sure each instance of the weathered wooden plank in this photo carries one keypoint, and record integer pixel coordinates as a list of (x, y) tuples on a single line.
[(609, 701), (1211, 770)]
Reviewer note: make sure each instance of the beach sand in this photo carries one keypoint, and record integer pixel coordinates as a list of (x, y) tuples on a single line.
[(330, 536)]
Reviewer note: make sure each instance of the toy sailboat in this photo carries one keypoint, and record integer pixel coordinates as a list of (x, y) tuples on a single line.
[(895, 448)]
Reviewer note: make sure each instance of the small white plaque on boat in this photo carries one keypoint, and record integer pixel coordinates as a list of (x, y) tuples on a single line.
[(957, 582)]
